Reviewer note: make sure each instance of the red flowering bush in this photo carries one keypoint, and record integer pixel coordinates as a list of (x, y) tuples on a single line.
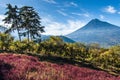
[(23, 67)]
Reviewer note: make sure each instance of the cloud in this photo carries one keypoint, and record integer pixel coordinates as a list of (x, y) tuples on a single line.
[(50, 1), (62, 13), (1, 18), (73, 4), (78, 14), (2, 23), (69, 4), (110, 9), (102, 17), (84, 14), (118, 12), (56, 28)]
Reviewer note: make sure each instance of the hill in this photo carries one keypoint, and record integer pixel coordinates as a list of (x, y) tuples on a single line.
[(23, 67), (64, 38), (97, 31)]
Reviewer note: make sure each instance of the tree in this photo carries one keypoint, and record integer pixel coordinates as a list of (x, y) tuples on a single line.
[(31, 23), (25, 20), (13, 19)]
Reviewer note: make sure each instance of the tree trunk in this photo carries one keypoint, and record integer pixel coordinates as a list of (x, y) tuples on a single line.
[(28, 35), (19, 34), (31, 37)]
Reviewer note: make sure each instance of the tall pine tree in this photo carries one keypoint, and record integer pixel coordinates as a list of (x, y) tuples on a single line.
[(31, 23), (13, 18), (25, 20)]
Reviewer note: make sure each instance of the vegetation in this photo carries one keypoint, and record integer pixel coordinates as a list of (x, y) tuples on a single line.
[(12, 18), (93, 55), (30, 23), (25, 20), (23, 67)]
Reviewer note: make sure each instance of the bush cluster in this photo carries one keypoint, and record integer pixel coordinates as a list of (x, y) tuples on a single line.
[(106, 59), (23, 67)]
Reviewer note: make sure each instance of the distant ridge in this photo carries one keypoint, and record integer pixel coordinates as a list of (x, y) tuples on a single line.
[(97, 31), (64, 38)]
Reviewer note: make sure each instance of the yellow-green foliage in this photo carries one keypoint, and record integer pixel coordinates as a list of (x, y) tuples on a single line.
[(109, 60), (5, 40), (99, 57)]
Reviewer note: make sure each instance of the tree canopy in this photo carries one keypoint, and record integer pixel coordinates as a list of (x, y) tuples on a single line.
[(25, 20)]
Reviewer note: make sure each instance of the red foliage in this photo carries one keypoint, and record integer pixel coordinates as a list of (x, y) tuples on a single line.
[(23, 67)]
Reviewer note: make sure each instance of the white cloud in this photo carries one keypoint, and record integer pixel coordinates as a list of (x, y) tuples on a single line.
[(102, 17), (62, 13), (57, 28), (78, 14), (69, 4), (73, 4), (118, 12), (1, 18), (84, 14), (50, 1), (2, 23), (110, 9)]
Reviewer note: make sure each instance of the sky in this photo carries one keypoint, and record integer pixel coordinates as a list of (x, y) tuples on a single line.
[(61, 17)]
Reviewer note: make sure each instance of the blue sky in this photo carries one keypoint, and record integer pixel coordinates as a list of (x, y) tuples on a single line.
[(61, 17)]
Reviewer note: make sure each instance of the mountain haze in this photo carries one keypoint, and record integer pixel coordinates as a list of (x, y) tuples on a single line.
[(97, 31), (64, 38)]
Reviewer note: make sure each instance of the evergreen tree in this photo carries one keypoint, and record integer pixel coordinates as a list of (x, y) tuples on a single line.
[(31, 23), (25, 20), (13, 19)]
